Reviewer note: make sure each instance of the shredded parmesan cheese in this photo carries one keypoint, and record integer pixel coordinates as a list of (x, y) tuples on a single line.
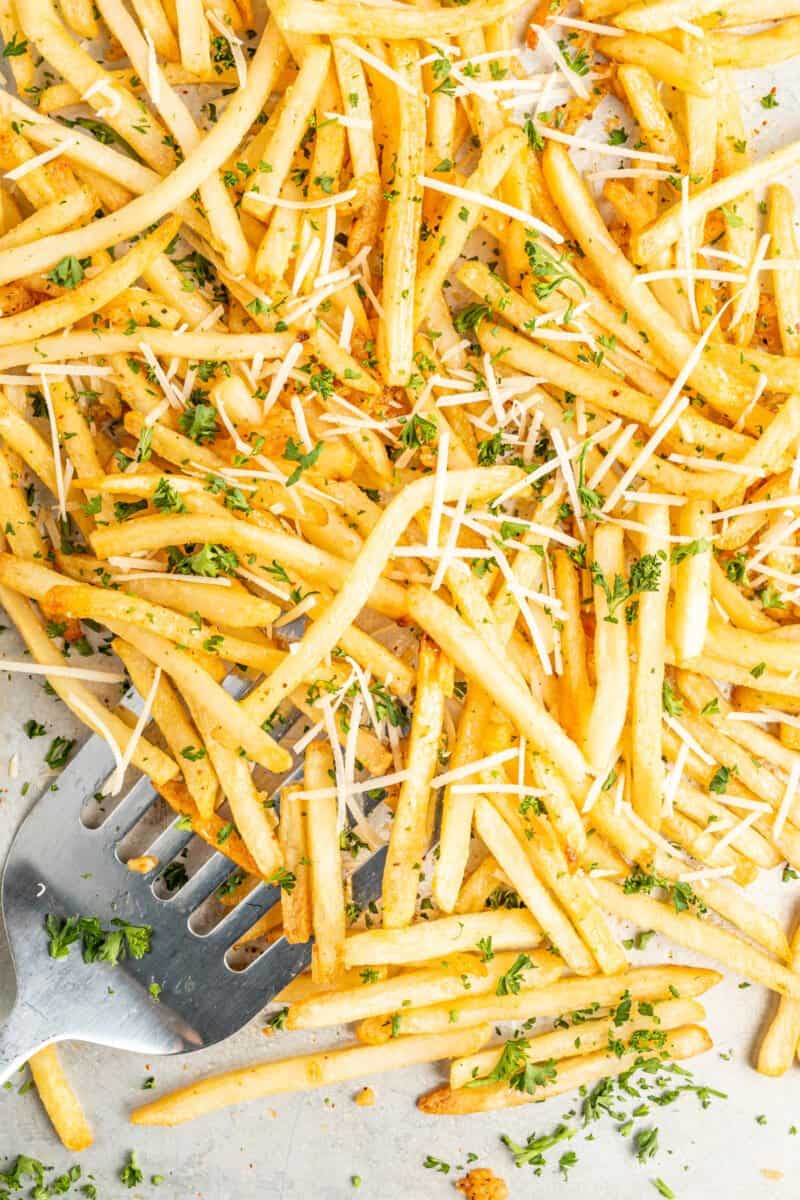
[(507, 210)]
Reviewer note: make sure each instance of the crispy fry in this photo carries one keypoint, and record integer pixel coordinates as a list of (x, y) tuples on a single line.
[(296, 1074), (643, 983), (594, 1036), (575, 1072), (411, 827), (508, 929), (327, 891), (296, 888), (420, 987), (700, 935), (60, 1102)]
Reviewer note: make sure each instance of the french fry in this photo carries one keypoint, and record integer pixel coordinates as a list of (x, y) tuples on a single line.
[(641, 983), (265, 185), (410, 827), (232, 606), (472, 656), (419, 988), (574, 1072), (692, 581), (610, 704), (479, 887), (647, 772), (665, 231), (176, 726), (104, 605), (366, 172), (296, 891), (666, 64), (53, 218), (312, 16), (575, 698), (457, 808), (20, 528), (250, 818), (327, 891), (59, 1100), (230, 723), (747, 649), (297, 1074), (454, 230), (503, 845), (656, 124), (403, 222), (702, 936), (594, 1035), (733, 904), (153, 19), (193, 36), (214, 830), (508, 928), (154, 533), (741, 611), (780, 1040), (662, 14), (740, 233), (761, 49), (233, 347)]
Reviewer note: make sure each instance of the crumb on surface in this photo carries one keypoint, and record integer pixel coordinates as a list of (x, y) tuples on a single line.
[(143, 864), (483, 1184), (365, 1097)]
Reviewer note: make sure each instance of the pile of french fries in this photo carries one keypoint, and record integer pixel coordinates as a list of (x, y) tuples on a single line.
[(357, 344)]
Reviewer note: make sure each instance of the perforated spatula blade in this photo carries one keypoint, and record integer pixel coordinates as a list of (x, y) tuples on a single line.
[(182, 995)]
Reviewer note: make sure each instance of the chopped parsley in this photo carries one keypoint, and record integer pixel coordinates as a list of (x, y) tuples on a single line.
[(293, 452)]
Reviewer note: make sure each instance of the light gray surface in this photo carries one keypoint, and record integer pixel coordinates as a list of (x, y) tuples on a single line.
[(296, 1147), (299, 1147)]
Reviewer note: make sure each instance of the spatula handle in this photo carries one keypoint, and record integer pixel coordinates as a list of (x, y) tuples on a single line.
[(25, 1031)]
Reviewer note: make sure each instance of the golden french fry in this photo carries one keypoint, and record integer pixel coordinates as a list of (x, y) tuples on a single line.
[(175, 724), (643, 983), (338, 18), (508, 928), (457, 808), (296, 885), (60, 1102), (327, 891), (411, 828), (297, 1074), (594, 1035), (668, 65), (575, 1072), (403, 223), (467, 650), (610, 704), (697, 934), (647, 772), (779, 1044), (503, 845), (420, 987), (665, 231)]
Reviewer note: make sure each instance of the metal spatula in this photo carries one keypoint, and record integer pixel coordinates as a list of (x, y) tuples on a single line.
[(57, 865)]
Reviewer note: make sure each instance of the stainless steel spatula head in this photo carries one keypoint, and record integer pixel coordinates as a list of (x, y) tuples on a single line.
[(60, 866)]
